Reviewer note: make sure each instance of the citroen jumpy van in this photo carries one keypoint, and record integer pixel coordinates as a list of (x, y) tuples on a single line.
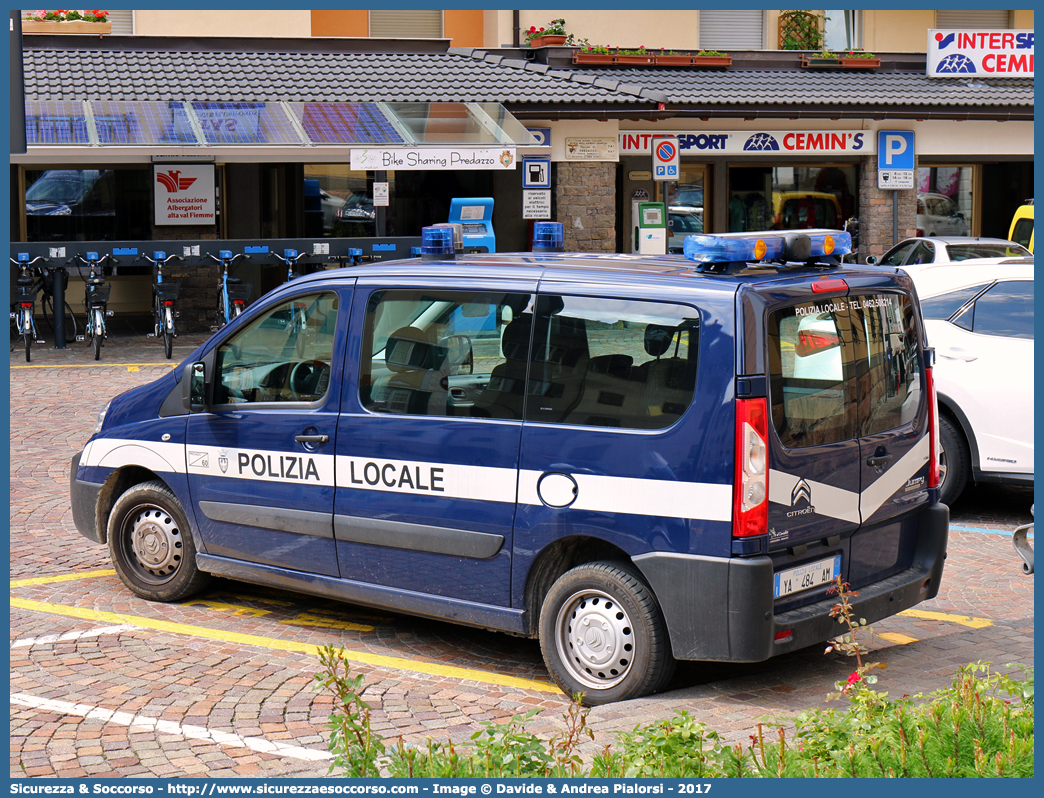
[(633, 459)]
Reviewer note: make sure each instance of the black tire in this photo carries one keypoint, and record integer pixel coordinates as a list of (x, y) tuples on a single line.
[(28, 346), (626, 652), (99, 335), (954, 461), (151, 544), (166, 317)]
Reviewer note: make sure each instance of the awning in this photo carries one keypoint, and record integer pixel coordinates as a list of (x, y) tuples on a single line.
[(67, 127)]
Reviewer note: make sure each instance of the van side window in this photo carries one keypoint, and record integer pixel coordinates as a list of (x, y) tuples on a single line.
[(843, 369), (434, 353), (611, 363), (282, 356)]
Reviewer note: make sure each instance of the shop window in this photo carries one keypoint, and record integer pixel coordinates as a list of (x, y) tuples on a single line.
[(88, 204), (338, 202), (791, 197), (685, 204), (945, 200)]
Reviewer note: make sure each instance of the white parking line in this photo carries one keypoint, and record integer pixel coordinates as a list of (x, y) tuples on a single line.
[(47, 639), (168, 727)]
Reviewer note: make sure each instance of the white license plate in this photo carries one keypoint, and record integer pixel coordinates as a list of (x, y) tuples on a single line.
[(804, 577)]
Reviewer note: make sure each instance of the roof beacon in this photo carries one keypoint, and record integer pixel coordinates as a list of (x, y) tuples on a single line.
[(548, 237), (437, 242), (781, 246)]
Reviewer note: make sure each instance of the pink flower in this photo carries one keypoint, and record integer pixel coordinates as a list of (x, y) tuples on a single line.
[(40, 14)]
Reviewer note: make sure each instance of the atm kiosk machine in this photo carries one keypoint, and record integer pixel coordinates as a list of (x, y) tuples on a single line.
[(474, 215)]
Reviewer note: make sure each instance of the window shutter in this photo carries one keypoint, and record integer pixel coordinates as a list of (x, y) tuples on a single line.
[(972, 20), (732, 30), (122, 22), (417, 24)]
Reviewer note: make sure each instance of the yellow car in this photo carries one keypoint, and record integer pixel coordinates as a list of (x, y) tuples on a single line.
[(1021, 230)]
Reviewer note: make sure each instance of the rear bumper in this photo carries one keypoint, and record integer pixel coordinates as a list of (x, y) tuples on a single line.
[(84, 499), (721, 609)]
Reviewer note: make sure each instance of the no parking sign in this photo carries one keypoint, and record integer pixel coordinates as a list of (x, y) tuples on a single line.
[(666, 155)]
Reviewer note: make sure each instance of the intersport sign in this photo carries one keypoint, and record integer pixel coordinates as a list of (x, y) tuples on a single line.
[(991, 53)]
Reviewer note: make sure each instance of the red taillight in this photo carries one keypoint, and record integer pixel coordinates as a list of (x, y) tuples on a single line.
[(750, 488), (168, 302), (237, 301), (809, 342), (933, 431), (27, 304)]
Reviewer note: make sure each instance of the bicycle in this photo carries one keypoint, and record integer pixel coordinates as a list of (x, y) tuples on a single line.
[(233, 293), (22, 322), (95, 300), (164, 303), (290, 257)]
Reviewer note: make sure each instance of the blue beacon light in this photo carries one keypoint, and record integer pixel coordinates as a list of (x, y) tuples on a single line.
[(548, 237), (437, 241)]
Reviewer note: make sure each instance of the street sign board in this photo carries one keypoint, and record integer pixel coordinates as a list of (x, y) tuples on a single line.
[(536, 172), (895, 159), (666, 158)]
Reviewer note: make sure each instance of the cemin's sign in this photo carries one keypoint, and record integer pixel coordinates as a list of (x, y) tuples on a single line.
[(993, 53)]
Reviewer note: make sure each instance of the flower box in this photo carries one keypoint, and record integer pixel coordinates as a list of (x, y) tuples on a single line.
[(592, 58), (550, 40), (67, 26), (674, 60), (860, 63), (712, 60), (839, 62), (636, 59)]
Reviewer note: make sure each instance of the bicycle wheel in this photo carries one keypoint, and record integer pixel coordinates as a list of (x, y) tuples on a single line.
[(168, 332), (28, 345), (99, 332)]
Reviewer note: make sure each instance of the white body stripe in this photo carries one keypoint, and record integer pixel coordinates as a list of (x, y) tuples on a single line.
[(424, 478), (895, 477), (848, 505), (656, 497), (116, 453), (263, 465), (828, 500)]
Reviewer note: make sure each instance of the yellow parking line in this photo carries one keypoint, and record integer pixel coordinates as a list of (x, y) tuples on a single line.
[(895, 637), (46, 580), (963, 620), (94, 365), (376, 660)]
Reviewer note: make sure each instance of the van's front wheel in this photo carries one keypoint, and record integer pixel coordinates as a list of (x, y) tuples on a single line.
[(602, 634), (150, 543)]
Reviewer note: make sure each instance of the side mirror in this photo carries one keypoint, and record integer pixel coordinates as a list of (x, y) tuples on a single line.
[(196, 393), (871, 260)]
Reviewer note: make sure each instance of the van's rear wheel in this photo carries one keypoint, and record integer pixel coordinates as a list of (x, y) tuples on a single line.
[(150, 543), (954, 461), (602, 634)]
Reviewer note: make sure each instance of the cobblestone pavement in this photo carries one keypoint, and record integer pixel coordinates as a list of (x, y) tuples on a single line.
[(104, 684)]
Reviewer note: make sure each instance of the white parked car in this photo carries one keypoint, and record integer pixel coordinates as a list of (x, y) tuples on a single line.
[(948, 249), (939, 215), (979, 318)]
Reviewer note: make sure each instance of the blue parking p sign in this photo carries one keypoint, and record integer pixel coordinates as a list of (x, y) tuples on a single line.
[(895, 149)]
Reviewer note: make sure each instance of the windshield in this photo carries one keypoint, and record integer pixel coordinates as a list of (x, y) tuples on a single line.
[(967, 251), (66, 187)]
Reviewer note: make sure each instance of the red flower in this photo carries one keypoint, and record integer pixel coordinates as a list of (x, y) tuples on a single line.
[(855, 677), (532, 28)]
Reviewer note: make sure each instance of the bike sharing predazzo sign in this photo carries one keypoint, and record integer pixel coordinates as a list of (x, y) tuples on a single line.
[(184, 193)]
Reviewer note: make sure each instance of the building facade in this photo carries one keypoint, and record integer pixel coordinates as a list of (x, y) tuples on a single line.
[(768, 141)]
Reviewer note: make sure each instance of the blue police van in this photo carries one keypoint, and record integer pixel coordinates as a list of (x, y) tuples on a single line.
[(634, 459)]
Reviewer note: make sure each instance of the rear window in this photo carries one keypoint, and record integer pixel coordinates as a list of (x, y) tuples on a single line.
[(843, 368)]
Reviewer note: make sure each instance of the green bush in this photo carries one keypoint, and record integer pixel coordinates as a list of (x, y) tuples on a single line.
[(968, 729)]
